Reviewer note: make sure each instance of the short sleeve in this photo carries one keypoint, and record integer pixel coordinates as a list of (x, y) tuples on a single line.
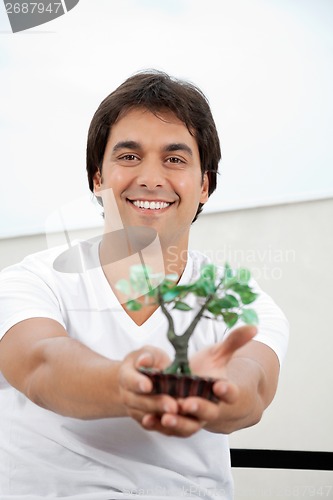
[(23, 295), (273, 326)]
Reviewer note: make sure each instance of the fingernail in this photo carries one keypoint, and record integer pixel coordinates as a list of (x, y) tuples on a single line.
[(145, 356), (166, 408), (194, 407), (222, 389), (148, 421)]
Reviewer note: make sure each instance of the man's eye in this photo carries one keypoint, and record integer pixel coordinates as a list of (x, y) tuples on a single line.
[(129, 157), (174, 159)]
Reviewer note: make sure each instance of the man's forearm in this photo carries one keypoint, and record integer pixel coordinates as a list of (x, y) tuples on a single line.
[(72, 380)]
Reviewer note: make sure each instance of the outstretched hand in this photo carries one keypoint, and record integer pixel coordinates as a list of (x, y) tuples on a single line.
[(212, 361)]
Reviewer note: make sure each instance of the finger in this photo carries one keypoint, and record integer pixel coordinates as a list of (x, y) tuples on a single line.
[(130, 377), (237, 339), (226, 391), (172, 425), (180, 425), (200, 408), (131, 380), (152, 422), (149, 357), (156, 404)]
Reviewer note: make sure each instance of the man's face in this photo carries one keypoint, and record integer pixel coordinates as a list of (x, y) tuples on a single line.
[(152, 164)]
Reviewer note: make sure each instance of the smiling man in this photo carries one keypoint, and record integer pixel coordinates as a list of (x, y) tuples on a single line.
[(78, 420)]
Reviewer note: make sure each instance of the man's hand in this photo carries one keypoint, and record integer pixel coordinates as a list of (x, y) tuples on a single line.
[(135, 387), (247, 374), (212, 361)]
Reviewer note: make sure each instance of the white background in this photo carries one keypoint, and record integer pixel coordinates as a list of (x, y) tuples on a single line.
[(266, 67)]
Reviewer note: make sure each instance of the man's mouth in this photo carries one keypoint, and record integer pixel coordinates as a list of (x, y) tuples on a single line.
[(151, 205)]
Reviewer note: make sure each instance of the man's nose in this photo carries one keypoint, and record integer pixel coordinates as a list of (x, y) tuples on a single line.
[(151, 174)]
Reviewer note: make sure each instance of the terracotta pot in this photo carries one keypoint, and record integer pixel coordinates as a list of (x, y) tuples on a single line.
[(181, 386)]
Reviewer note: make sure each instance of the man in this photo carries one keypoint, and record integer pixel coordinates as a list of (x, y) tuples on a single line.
[(76, 414)]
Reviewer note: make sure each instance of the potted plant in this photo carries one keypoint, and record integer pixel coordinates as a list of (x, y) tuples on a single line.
[(220, 296)]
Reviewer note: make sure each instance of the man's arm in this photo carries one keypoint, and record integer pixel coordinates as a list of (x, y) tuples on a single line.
[(61, 374)]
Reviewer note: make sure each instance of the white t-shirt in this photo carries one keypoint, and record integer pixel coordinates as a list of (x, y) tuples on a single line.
[(45, 455)]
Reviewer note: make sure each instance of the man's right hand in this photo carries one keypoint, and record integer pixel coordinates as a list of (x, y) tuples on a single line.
[(135, 387)]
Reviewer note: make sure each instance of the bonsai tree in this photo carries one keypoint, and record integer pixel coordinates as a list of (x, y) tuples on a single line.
[(220, 297)]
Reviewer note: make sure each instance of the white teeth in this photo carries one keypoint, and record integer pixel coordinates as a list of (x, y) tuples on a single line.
[(152, 205)]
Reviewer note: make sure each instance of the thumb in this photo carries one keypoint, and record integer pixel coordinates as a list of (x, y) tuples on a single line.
[(235, 340), (150, 357)]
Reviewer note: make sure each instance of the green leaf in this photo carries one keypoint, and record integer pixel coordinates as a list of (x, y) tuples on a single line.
[(250, 317), (182, 306), (133, 305), (240, 288), (213, 307), (245, 293), (139, 284), (228, 272), (225, 303), (139, 270), (232, 300), (199, 291), (171, 294), (140, 278), (203, 287), (248, 297), (243, 275), (208, 272), (216, 306), (230, 318), (124, 286), (228, 283), (153, 292)]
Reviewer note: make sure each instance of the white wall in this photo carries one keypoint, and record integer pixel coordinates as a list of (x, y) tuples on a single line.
[(265, 65)]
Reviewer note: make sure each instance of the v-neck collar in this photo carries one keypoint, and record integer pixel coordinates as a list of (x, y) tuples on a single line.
[(109, 301)]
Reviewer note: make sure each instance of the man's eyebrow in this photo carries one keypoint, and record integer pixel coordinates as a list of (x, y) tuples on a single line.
[(126, 145), (178, 147), (169, 148)]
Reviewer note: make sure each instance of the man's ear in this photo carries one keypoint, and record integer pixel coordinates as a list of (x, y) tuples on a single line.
[(204, 189), (97, 179)]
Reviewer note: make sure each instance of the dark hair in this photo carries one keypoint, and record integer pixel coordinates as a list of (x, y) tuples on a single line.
[(155, 91)]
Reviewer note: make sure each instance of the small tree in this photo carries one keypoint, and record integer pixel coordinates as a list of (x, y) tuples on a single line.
[(220, 297)]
